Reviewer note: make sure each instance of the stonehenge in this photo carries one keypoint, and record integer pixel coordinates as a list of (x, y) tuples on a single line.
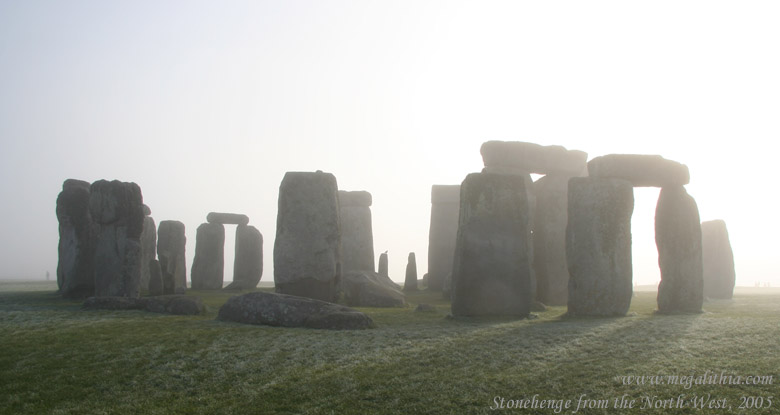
[(718, 260), (75, 275), (357, 238), (443, 231), (171, 244), (208, 267), (307, 249)]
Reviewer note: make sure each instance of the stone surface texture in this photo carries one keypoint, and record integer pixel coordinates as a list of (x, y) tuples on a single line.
[(248, 263), (208, 266), (171, 249), (75, 273), (357, 236)]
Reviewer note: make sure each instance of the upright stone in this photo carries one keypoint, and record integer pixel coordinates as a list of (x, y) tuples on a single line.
[(718, 260), (410, 283), (75, 275), (148, 246), (552, 274), (155, 278), (443, 232), (208, 267), (492, 265), (117, 208), (248, 263), (171, 246), (678, 238), (598, 246), (307, 250), (357, 237), (383, 265)]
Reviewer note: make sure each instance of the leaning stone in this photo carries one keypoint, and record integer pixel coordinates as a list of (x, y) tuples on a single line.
[(410, 283), (678, 237), (248, 263), (640, 169), (75, 273), (383, 262), (357, 237), (598, 246), (155, 278), (148, 248), (369, 289), (117, 208), (552, 274), (442, 234), (227, 218), (208, 267), (171, 246), (492, 267), (271, 309), (307, 249), (718, 260), (526, 158)]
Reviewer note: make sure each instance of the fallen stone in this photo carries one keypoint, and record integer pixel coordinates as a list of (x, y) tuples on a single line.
[(370, 289), (76, 249), (410, 282), (307, 249), (227, 218), (248, 263), (271, 309), (171, 304), (155, 278), (640, 169), (525, 158), (718, 260), (171, 247), (442, 234), (598, 246), (208, 267), (357, 237)]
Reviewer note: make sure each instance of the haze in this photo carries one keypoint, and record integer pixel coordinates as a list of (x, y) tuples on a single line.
[(207, 104)]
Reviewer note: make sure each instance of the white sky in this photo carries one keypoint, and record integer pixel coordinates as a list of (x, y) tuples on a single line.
[(206, 104)]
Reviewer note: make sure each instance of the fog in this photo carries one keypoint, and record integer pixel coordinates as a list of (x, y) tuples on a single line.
[(207, 104)]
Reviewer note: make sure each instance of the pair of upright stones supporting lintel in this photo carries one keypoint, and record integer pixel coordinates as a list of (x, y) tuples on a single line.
[(208, 265), (598, 238)]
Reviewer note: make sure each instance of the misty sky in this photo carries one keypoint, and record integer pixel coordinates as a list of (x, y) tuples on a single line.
[(207, 104)]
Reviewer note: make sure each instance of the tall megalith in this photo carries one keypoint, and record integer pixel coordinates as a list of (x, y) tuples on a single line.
[(492, 262), (410, 282), (357, 237), (383, 266), (117, 209), (148, 246), (171, 248), (75, 275), (307, 249), (598, 246), (442, 234), (248, 262), (718, 260), (208, 266)]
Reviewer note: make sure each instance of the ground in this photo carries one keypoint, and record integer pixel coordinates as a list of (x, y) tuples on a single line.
[(58, 359)]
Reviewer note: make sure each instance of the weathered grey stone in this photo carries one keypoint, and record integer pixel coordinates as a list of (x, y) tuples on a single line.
[(148, 248), (526, 158), (442, 234), (227, 218), (598, 246), (640, 169), (678, 238), (369, 289), (117, 208), (76, 249), (171, 247), (167, 304), (307, 249), (410, 283), (492, 264), (383, 265), (552, 274), (290, 311), (357, 237), (208, 267), (155, 278), (718, 260), (248, 263), (147, 210)]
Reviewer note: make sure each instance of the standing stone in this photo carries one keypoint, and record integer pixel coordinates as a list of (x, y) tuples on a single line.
[(117, 208), (248, 263), (598, 246), (75, 275), (410, 283), (678, 238), (208, 267), (383, 265), (148, 246), (718, 260), (492, 266), (357, 237), (307, 250), (171, 245), (155, 278), (443, 232), (552, 274)]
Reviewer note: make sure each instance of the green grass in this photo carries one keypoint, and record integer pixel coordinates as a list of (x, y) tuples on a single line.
[(58, 359)]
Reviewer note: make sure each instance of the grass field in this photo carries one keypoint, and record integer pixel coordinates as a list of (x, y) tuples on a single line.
[(57, 359)]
